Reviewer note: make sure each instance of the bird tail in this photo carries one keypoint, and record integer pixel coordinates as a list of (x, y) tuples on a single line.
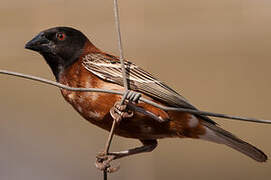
[(219, 135)]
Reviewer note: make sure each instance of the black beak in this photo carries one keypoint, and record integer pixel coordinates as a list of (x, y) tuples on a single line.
[(39, 43)]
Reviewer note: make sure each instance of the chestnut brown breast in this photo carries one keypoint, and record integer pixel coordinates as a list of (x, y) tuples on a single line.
[(95, 108)]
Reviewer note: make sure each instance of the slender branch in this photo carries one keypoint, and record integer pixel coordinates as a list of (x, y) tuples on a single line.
[(125, 80), (192, 111), (56, 84), (205, 113), (117, 22), (108, 143)]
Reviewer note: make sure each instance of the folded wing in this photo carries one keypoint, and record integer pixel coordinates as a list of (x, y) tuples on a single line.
[(108, 67)]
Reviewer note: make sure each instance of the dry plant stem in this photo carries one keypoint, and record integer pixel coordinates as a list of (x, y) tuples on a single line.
[(109, 140), (105, 175), (110, 137), (108, 143), (117, 22), (196, 112)]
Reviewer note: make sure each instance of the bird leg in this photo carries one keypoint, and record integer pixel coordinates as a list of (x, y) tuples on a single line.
[(118, 112), (103, 160)]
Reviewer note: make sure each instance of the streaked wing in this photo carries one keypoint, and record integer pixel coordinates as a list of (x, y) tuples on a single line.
[(109, 69)]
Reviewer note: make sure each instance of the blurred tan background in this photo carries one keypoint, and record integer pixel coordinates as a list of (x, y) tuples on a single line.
[(216, 53)]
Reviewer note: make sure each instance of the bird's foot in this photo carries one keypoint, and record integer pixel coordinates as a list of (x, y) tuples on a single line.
[(103, 162), (119, 111), (133, 96)]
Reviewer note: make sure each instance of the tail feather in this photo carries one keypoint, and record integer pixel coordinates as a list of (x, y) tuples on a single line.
[(219, 135)]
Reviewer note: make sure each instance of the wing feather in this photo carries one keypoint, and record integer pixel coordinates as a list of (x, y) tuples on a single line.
[(108, 67)]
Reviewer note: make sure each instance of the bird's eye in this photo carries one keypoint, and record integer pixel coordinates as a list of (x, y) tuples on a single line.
[(61, 36)]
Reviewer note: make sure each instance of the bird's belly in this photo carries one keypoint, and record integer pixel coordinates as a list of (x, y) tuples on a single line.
[(95, 109), (138, 126), (143, 128)]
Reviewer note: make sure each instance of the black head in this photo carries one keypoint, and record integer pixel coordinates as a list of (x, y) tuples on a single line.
[(60, 46)]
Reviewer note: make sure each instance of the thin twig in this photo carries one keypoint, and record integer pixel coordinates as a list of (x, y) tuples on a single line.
[(125, 80), (105, 175), (192, 111), (108, 143), (117, 23), (53, 83)]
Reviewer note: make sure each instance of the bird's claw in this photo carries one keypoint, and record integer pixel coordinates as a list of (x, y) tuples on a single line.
[(103, 163), (119, 111)]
